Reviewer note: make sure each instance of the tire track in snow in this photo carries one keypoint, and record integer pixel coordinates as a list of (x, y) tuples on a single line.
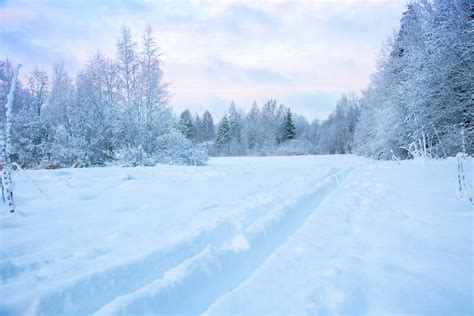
[(192, 286), (88, 293)]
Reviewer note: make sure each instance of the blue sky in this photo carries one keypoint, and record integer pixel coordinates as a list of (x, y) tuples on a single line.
[(303, 53)]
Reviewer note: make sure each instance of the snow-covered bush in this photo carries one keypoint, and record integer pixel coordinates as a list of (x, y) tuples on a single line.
[(171, 148), (175, 148), (132, 157), (68, 151), (198, 155), (416, 150)]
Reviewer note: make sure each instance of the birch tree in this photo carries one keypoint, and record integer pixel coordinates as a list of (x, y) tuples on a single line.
[(6, 145)]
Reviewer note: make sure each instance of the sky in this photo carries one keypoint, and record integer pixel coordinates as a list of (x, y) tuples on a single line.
[(304, 54)]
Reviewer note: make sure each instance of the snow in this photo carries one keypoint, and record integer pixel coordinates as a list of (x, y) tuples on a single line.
[(273, 235)]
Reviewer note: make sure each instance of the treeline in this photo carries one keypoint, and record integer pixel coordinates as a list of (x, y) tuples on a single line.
[(420, 101), (109, 116), (116, 110), (273, 130)]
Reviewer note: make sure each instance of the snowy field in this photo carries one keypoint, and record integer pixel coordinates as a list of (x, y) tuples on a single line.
[(276, 235)]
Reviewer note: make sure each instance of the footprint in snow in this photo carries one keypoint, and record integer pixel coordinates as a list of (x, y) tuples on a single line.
[(210, 207), (119, 235), (88, 196), (89, 253)]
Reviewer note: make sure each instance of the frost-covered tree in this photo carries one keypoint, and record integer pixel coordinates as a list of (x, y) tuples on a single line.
[(127, 70), (175, 148), (261, 132), (253, 129), (269, 124), (6, 144), (302, 126), (208, 130), (115, 110), (31, 134), (236, 142), (60, 117), (290, 129), (152, 93), (127, 65), (336, 134), (312, 136), (96, 121), (392, 91), (280, 124), (198, 129), (447, 80), (223, 137), (423, 86), (186, 125), (37, 87)]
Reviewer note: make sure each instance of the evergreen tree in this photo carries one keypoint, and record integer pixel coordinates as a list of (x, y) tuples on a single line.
[(253, 128), (198, 129), (186, 125), (208, 128), (280, 125), (223, 136), (235, 131), (289, 125)]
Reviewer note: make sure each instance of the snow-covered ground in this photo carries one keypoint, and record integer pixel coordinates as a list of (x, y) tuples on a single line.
[(276, 235)]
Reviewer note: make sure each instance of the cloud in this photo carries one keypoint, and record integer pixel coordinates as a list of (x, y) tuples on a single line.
[(225, 71), (304, 53)]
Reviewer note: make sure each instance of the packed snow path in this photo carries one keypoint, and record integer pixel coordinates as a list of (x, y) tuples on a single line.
[(279, 235)]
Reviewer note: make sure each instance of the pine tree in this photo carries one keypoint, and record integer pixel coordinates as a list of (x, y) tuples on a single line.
[(223, 136), (289, 126), (235, 131), (198, 135), (186, 125), (280, 124), (253, 128), (208, 128)]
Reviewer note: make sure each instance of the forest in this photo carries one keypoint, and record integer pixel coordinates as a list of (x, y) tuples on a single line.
[(180, 168), (115, 110)]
